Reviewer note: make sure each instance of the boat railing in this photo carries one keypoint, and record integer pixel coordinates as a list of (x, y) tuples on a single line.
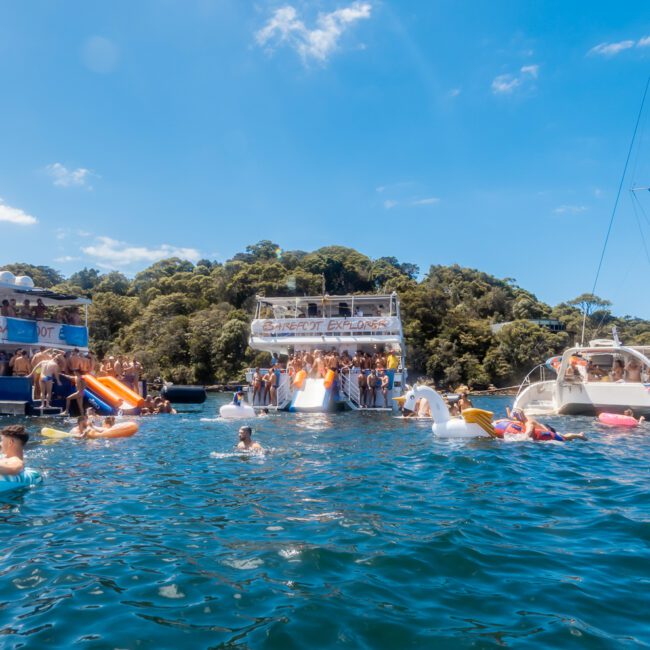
[(528, 379), (349, 387)]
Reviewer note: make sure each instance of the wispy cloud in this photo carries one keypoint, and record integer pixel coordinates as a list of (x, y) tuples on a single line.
[(112, 253), (15, 216), (505, 84), (389, 204), (431, 200), (612, 49), (570, 209), (65, 259), (64, 177), (285, 27), (454, 92)]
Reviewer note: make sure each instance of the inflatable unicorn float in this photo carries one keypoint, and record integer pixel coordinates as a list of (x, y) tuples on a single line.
[(473, 423)]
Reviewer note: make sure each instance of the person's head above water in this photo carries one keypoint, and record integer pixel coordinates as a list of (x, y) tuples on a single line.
[(13, 437), (518, 414), (245, 433)]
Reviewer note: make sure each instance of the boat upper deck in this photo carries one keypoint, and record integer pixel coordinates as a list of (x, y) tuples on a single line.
[(32, 316), (309, 321)]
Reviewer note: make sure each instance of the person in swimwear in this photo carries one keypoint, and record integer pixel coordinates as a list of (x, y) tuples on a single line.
[(78, 395), (246, 440), (541, 432), (49, 373), (630, 414), (14, 439), (83, 427)]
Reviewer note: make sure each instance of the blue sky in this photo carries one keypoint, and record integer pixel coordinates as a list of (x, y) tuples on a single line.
[(489, 134)]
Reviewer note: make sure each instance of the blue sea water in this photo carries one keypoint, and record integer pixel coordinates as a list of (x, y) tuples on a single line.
[(353, 530)]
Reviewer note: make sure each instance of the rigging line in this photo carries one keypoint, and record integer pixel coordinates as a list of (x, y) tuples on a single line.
[(638, 223), (639, 146), (644, 214), (618, 196)]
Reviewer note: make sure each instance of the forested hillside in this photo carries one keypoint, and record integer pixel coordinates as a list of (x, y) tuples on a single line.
[(189, 322)]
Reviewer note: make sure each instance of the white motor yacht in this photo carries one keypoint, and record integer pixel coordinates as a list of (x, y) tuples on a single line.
[(603, 377)]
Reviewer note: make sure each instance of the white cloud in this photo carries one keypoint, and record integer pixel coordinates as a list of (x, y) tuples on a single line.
[(15, 215), (390, 204), (532, 70), (612, 49), (454, 92), (431, 200), (570, 209), (64, 259), (318, 43), (504, 84), (116, 254), (64, 177)]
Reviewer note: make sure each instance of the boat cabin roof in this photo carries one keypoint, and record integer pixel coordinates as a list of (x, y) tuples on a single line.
[(327, 306), (50, 298)]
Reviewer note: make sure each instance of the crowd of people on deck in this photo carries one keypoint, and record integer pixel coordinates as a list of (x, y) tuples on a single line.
[(39, 311), (373, 373), (619, 372), (47, 366)]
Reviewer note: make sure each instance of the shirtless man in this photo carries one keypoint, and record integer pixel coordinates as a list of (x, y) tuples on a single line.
[(246, 441), (464, 402), (40, 311), (83, 427), (20, 364), (78, 395), (541, 432), (273, 386), (257, 386), (384, 383), (372, 389), (363, 389), (633, 371), (41, 355), (49, 370), (14, 439), (25, 310)]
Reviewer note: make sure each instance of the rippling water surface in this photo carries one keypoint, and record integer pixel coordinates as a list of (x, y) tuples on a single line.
[(353, 530)]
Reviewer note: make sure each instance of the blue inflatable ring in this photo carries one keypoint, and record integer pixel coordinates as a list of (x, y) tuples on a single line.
[(25, 479)]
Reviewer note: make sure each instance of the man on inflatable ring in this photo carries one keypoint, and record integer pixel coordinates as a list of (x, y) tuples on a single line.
[(542, 432), (14, 439)]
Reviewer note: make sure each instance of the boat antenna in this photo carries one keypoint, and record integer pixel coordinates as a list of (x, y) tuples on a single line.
[(618, 196)]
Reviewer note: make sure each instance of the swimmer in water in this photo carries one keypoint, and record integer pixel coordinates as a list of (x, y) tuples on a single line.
[(263, 413), (14, 439), (541, 432), (630, 414), (83, 427), (246, 441)]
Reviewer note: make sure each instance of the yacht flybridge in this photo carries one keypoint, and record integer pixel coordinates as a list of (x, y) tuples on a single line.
[(604, 376), (311, 335)]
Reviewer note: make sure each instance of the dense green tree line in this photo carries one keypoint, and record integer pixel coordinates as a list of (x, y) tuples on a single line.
[(189, 322)]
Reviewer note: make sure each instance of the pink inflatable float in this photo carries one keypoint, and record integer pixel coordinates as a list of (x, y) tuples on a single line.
[(618, 420)]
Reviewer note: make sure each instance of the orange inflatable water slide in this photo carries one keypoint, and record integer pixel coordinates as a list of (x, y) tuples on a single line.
[(116, 394)]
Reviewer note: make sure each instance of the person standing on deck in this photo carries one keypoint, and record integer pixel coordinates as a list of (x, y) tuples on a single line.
[(49, 370), (78, 395), (372, 389), (385, 381)]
